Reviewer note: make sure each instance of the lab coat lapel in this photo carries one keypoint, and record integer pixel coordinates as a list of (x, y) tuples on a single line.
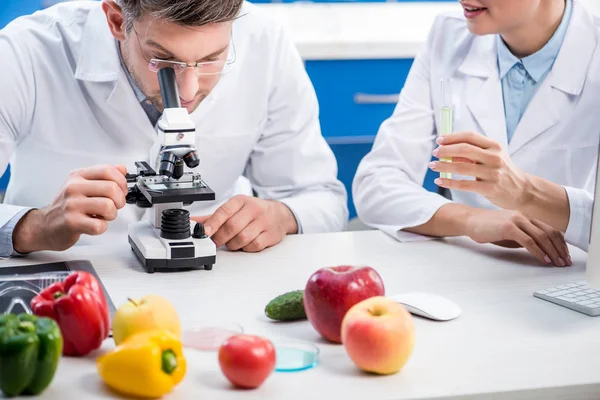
[(98, 60), (544, 111), (483, 89), (554, 98), (99, 64), (123, 99)]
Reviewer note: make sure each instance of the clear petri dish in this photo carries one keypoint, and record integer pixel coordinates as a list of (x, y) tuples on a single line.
[(295, 356), (209, 336)]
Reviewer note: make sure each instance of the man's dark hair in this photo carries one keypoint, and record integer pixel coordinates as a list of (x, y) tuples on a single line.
[(181, 12)]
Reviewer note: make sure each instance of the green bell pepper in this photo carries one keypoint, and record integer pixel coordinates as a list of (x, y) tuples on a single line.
[(30, 348)]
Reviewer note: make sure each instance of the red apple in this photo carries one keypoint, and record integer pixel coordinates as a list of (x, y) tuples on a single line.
[(378, 335), (331, 291), (247, 360)]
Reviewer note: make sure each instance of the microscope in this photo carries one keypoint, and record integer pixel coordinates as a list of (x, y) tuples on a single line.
[(167, 242)]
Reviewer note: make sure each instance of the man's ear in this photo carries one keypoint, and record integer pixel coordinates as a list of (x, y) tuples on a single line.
[(115, 19)]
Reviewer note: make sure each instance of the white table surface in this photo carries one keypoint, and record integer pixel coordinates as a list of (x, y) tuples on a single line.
[(328, 31), (506, 344)]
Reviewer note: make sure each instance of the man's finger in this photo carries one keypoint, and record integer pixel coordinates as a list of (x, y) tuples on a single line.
[(222, 214), (122, 169), (469, 137), (85, 224), (261, 242), (199, 218), (235, 225), (108, 189), (246, 236), (105, 173), (100, 207), (93, 226)]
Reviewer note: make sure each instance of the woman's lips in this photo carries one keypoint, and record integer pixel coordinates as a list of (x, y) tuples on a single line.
[(472, 12)]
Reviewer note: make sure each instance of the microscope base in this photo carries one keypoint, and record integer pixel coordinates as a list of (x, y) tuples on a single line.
[(158, 254)]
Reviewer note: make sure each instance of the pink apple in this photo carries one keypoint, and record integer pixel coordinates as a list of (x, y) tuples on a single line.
[(331, 291), (378, 335)]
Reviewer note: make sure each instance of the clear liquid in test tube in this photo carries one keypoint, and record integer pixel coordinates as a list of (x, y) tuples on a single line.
[(446, 117)]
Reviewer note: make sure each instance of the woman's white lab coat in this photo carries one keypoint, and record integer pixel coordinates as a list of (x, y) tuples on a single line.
[(557, 138), (65, 103)]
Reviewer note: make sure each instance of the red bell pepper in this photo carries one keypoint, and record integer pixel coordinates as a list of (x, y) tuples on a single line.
[(79, 307)]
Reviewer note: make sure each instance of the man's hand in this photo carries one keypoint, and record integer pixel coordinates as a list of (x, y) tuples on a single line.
[(514, 229), (89, 199), (497, 178), (249, 223)]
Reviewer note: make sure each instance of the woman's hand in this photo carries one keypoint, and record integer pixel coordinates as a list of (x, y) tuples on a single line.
[(475, 155), (514, 229), (504, 228)]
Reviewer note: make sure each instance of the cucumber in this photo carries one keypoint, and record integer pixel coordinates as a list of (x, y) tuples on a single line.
[(287, 307)]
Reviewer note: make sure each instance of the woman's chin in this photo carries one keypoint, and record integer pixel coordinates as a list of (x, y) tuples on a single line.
[(479, 29)]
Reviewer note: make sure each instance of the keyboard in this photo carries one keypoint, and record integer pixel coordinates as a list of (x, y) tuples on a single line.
[(577, 296)]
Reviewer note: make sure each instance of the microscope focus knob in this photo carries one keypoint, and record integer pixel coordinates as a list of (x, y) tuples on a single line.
[(132, 195), (199, 231), (175, 224)]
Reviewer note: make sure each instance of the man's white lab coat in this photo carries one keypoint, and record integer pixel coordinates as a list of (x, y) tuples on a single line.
[(65, 103)]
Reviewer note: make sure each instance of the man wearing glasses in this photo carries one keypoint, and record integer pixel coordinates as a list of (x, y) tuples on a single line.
[(79, 101)]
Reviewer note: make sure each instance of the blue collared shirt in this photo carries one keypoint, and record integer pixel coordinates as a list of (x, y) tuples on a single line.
[(522, 77), (6, 235), (151, 111)]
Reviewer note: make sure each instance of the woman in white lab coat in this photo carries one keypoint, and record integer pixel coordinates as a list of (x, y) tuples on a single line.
[(526, 113)]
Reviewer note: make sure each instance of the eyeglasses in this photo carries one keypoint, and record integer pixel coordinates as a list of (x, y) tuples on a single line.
[(201, 68)]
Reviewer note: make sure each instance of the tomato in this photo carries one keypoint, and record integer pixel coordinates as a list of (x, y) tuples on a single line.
[(247, 360)]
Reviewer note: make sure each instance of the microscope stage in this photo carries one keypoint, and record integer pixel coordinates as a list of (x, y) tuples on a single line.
[(159, 190)]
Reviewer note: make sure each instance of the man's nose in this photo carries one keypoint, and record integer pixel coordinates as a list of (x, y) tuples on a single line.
[(188, 84)]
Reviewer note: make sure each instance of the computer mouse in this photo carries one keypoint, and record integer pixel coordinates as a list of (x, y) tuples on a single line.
[(428, 305)]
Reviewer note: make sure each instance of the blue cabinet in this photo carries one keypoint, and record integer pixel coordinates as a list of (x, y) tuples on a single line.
[(355, 97)]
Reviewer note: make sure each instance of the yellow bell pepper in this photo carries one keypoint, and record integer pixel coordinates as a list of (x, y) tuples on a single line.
[(146, 364)]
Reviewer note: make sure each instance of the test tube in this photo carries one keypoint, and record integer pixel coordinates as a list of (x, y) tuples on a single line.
[(446, 117)]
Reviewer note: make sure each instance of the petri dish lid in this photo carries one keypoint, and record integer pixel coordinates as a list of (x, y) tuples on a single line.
[(295, 356), (209, 336)]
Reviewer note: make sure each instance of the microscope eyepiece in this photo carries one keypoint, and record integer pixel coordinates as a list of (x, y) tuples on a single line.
[(191, 159), (168, 88)]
